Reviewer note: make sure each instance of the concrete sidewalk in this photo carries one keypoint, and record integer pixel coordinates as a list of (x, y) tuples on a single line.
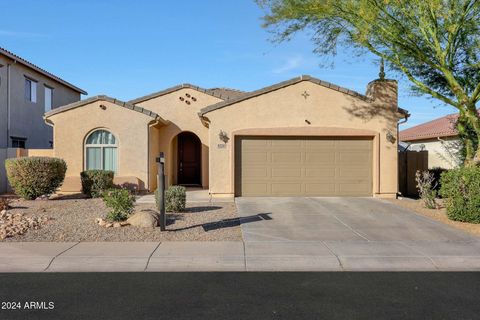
[(240, 256)]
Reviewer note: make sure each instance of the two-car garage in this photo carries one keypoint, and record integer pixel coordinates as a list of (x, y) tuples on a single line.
[(303, 166)]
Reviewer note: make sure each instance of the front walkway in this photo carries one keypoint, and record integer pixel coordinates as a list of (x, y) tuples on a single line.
[(193, 195)]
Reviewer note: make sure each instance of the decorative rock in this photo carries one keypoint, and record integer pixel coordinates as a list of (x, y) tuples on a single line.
[(98, 220), (124, 223), (117, 225), (144, 219), (109, 225), (102, 223), (54, 197)]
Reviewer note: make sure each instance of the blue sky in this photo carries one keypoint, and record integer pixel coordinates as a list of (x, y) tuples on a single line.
[(127, 49)]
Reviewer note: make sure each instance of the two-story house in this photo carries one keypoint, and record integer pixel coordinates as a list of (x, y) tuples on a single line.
[(26, 93)]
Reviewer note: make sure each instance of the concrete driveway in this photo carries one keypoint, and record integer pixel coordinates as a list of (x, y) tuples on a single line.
[(333, 219), (349, 234)]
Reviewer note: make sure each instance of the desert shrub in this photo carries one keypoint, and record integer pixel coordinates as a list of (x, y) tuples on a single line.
[(32, 177), (95, 182), (175, 198), (120, 202), (426, 188), (461, 192)]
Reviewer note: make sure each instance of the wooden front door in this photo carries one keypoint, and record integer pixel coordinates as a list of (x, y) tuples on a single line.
[(189, 158)]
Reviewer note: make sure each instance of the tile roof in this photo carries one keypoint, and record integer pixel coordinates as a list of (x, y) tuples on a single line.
[(438, 128), (18, 59), (105, 98), (221, 93), (226, 93)]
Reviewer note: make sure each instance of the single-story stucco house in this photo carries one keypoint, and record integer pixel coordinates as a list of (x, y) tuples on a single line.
[(439, 137), (301, 137)]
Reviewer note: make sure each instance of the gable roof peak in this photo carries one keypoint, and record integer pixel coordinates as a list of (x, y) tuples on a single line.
[(281, 85), (102, 97)]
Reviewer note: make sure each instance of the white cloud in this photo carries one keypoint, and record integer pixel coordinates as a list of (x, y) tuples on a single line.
[(291, 64)]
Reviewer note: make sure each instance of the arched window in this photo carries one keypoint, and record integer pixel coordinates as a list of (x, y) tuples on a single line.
[(101, 151)]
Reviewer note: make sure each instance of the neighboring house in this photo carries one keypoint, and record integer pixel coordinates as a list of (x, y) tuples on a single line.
[(26, 93), (301, 137), (439, 137)]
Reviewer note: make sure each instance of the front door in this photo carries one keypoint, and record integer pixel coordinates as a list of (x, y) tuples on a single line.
[(189, 157)]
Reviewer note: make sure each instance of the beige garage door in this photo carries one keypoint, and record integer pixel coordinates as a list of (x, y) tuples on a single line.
[(303, 166)]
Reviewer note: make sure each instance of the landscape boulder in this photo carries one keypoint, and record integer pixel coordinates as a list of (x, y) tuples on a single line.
[(144, 219)]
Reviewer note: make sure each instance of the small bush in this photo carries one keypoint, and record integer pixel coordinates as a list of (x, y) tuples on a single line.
[(175, 199), (95, 182), (426, 188), (461, 191), (32, 177), (120, 201)]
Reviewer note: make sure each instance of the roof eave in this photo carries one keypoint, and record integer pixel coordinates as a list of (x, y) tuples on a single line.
[(18, 59), (120, 103)]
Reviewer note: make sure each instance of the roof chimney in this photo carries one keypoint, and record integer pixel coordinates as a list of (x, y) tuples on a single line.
[(383, 91)]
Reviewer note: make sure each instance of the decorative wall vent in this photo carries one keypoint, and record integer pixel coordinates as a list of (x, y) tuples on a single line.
[(189, 98)]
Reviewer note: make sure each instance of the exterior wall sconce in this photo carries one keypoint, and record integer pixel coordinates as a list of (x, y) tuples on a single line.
[(223, 136), (103, 107), (390, 137), (307, 122)]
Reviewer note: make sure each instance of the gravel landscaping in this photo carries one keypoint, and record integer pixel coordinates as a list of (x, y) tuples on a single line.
[(74, 220), (436, 214)]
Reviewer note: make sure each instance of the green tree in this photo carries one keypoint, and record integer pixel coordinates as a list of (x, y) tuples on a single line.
[(434, 43)]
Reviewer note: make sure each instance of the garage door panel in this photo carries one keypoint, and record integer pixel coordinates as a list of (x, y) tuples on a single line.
[(286, 189), (319, 144), (288, 144), (316, 173), (253, 189), (325, 189), (353, 158), (287, 172), (354, 189), (355, 175), (256, 172), (303, 166), (286, 157), (356, 144), (320, 157), (255, 157), (257, 143)]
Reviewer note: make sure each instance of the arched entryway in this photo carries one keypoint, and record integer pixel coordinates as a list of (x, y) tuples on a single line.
[(189, 158)]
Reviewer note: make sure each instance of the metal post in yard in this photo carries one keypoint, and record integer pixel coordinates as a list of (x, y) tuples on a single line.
[(161, 190)]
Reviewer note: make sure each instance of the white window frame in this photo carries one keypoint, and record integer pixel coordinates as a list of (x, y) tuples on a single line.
[(102, 147), (31, 94), (48, 89)]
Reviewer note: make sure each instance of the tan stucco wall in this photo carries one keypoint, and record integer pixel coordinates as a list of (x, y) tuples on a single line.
[(442, 153), (183, 117), (129, 127), (284, 112)]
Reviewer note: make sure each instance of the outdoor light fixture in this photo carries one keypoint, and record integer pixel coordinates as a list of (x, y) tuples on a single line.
[(103, 107), (390, 137), (223, 136)]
